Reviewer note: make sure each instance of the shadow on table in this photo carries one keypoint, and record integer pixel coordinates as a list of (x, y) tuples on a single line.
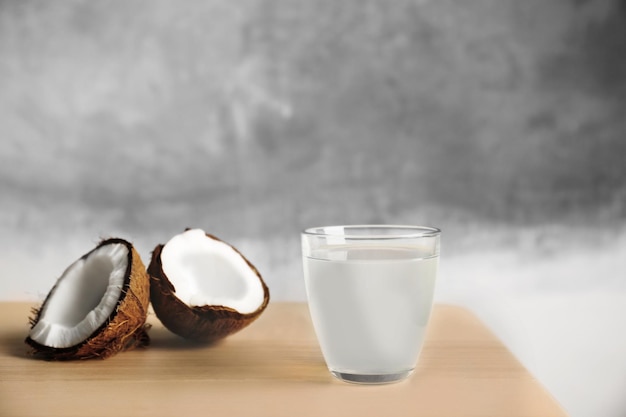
[(161, 338), (12, 344)]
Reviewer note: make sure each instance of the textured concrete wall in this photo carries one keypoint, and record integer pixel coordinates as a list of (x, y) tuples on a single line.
[(255, 117), (500, 121)]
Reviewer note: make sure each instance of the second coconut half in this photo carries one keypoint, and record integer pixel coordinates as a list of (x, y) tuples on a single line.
[(204, 289)]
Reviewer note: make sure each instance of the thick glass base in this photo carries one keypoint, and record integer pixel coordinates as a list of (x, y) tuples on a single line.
[(371, 379)]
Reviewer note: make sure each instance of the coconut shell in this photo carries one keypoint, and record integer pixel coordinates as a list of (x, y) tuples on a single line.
[(201, 323), (125, 328)]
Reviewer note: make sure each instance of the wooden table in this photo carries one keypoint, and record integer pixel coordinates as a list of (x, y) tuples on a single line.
[(272, 368)]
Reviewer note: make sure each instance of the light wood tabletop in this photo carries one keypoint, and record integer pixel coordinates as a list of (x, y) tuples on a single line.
[(272, 368)]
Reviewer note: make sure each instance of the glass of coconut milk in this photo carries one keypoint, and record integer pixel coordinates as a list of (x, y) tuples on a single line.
[(370, 292)]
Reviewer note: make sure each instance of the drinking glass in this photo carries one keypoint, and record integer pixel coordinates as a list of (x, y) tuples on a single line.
[(370, 294)]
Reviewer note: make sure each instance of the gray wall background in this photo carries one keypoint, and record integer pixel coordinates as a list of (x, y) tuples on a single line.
[(500, 121)]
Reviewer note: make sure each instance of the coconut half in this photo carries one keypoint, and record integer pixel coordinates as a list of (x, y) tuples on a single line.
[(97, 307), (203, 288)]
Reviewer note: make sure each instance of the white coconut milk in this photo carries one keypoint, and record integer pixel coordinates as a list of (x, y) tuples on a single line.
[(370, 305)]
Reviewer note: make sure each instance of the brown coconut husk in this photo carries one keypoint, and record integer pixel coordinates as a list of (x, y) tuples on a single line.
[(207, 323), (125, 328)]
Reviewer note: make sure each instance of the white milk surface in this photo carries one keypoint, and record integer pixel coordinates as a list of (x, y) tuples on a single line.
[(370, 306)]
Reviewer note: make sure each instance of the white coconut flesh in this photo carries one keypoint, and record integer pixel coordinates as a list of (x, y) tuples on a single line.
[(209, 272), (83, 298)]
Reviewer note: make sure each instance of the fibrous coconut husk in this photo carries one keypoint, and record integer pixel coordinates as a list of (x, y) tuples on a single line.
[(126, 326)]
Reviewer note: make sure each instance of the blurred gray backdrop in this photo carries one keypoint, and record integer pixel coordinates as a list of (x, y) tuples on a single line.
[(500, 121)]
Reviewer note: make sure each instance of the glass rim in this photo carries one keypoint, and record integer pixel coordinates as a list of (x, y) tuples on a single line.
[(399, 231)]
